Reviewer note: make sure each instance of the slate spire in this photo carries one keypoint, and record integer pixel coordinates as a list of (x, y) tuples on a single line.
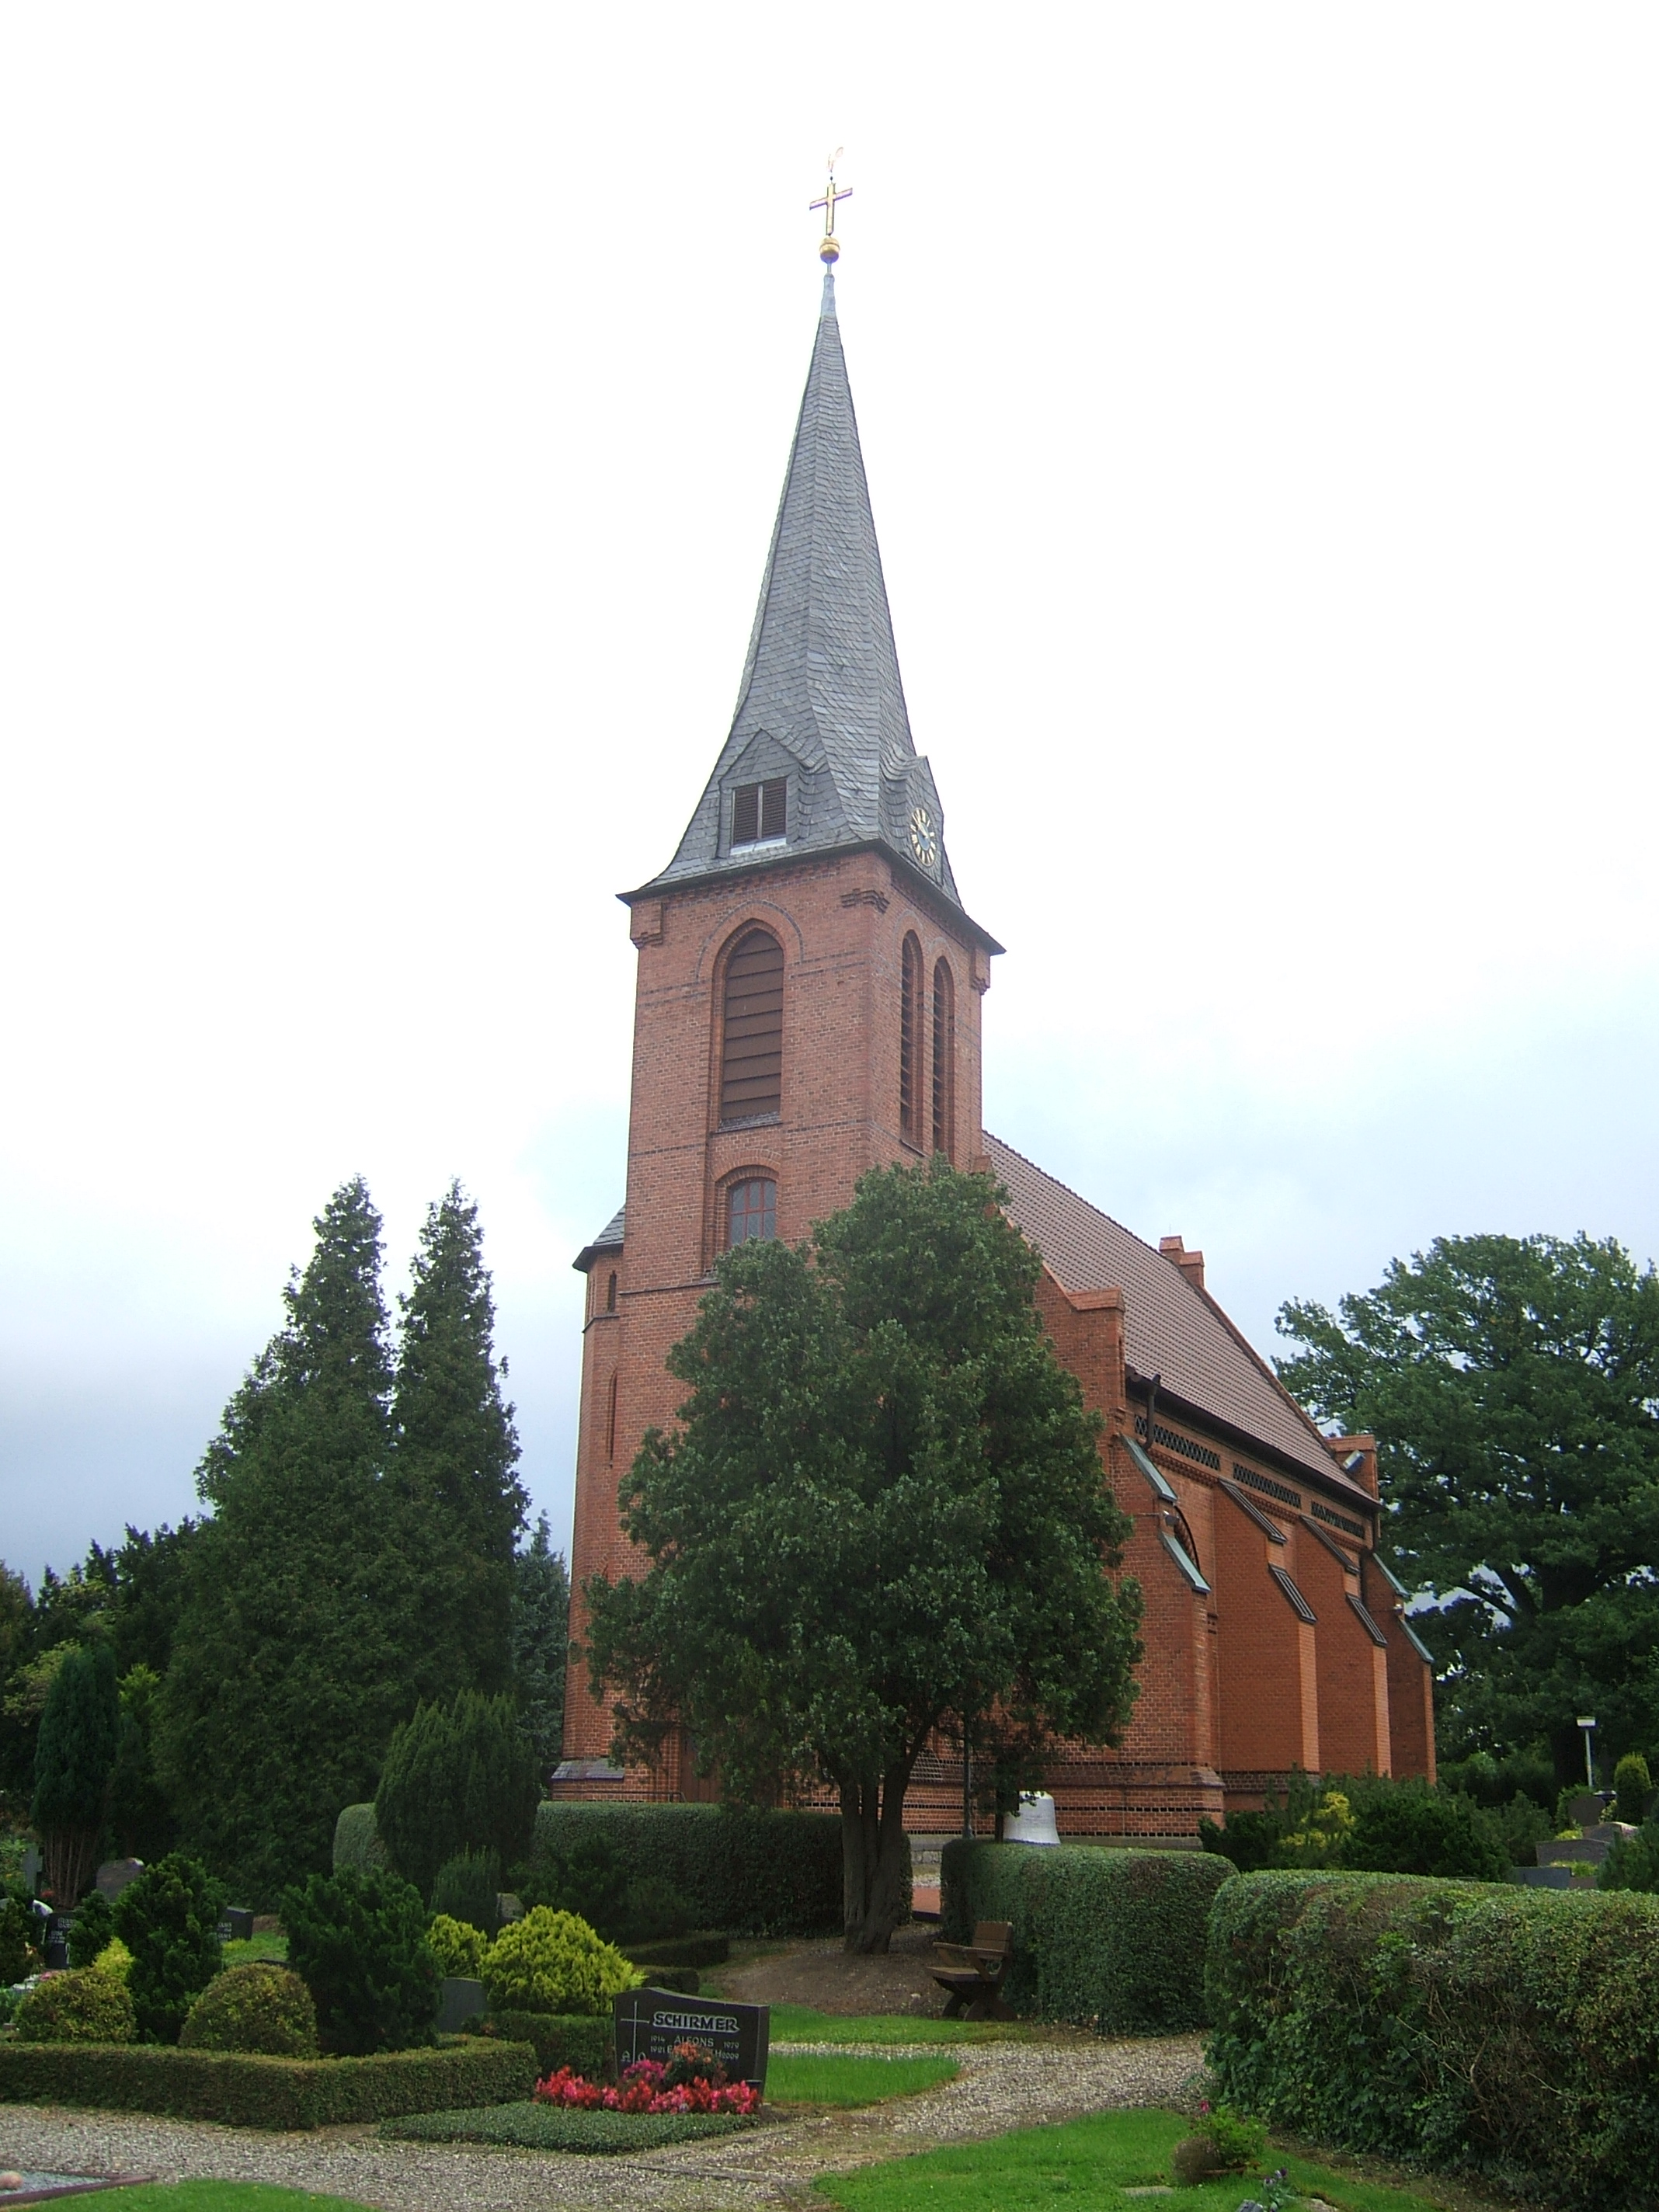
[(822, 704)]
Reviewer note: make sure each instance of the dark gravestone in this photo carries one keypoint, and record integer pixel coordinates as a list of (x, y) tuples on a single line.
[(650, 2022), (54, 1950), (1586, 1809), (460, 2000), (236, 1925), (115, 1874)]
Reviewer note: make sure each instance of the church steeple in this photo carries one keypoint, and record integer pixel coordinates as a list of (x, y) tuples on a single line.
[(820, 706)]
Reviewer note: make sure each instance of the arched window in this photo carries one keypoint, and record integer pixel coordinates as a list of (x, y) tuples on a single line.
[(752, 1210), (751, 1047), (610, 1422), (910, 1044), (945, 1061), (611, 1293)]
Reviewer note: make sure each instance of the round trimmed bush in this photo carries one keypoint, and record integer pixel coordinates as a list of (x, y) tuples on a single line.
[(262, 2007), (466, 1888), (358, 1942), (457, 1945), (81, 2006), (551, 1961)]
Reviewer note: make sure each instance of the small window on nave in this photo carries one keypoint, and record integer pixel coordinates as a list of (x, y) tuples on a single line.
[(760, 811), (611, 1293), (910, 990), (752, 1210)]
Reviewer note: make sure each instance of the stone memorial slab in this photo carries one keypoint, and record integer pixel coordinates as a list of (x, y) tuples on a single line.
[(460, 2000), (236, 1925), (114, 1876), (650, 2022)]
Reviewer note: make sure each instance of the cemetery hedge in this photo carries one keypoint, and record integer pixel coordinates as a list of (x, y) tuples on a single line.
[(1105, 1938), (583, 2041), (357, 1842), (241, 2090), (1511, 2033), (746, 1872)]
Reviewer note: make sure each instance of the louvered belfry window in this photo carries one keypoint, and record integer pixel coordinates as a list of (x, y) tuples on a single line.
[(752, 1064), (760, 811), (910, 1044), (945, 1061)]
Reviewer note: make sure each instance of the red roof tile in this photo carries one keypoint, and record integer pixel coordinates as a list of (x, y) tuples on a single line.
[(1171, 1328)]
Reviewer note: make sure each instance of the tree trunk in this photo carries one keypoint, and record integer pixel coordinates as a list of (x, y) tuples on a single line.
[(875, 1855), (71, 1859)]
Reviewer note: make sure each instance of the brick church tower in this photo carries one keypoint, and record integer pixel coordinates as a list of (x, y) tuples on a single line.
[(808, 1007)]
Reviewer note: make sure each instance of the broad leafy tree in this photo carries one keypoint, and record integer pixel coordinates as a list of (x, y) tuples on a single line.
[(884, 1507), (455, 1453), (293, 1660), (74, 1760), (541, 1626), (1513, 1384)]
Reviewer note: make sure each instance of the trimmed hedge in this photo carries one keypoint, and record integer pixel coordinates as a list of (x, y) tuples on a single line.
[(1509, 2032), (582, 2041), (682, 1951), (749, 1873), (1104, 1938), (556, 2127), (243, 2091), (357, 1841)]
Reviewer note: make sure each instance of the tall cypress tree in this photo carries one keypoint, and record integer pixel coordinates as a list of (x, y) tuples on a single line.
[(73, 1761), (291, 1662), (454, 1452), (541, 1626)]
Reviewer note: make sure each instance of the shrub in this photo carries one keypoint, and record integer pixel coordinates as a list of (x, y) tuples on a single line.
[(1195, 2159), (20, 1940), (357, 1842), (91, 1929), (1632, 1785), (748, 1873), (1522, 1824), (115, 1958), (1418, 2019), (1632, 1862), (1104, 1938), (456, 1777), (168, 1919), (467, 1887), (1372, 1824), (582, 2041), (1239, 2141), (74, 1758), (1495, 1782), (458, 1948), (551, 1961), (262, 2007), (81, 2006), (684, 1951), (244, 2090), (358, 1942)]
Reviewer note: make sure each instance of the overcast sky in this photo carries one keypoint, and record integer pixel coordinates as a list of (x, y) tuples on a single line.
[(1259, 407)]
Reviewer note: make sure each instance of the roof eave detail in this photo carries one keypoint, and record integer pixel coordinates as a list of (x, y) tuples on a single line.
[(913, 878), (1230, 1433)]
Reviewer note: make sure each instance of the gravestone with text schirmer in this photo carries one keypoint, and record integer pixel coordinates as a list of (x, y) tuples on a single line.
[(650, 2022)]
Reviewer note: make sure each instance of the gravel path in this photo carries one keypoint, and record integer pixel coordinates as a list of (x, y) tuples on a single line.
[(1001, 2085)]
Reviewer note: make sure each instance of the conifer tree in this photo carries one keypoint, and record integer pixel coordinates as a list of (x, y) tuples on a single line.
[(291, 1664), (541, 1626), (73, 1761), (454, 1452)]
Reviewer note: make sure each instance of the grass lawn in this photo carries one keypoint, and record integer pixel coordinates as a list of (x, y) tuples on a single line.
[(801, 2024), (220, 2196), (1088, 2163), (851, 2079), (243, 1953)]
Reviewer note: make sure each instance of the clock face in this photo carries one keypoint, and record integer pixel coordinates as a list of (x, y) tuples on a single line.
[(924, 837)]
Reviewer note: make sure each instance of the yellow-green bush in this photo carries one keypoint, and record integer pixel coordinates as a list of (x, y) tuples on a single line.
[(457, 1945), (261, 2007), (84, 2005), (114, 1958), (551, 1961)]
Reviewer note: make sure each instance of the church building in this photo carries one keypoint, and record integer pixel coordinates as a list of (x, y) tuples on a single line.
[(809, 999)]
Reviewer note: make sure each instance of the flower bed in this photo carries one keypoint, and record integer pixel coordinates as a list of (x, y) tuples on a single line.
[(692, 2081), (563, 2127)]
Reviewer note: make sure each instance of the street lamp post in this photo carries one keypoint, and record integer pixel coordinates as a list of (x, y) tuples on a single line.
[(1588, 1726)]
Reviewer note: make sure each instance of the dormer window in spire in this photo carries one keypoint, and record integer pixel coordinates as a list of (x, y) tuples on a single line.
[(760, 812)]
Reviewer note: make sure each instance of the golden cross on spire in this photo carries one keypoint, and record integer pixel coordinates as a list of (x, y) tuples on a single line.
[(829, 251)]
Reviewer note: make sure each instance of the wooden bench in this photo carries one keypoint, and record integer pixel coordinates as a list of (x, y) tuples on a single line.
[(973, 1973)]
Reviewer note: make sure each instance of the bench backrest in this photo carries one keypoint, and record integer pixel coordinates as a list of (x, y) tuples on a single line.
[(993, 1935)]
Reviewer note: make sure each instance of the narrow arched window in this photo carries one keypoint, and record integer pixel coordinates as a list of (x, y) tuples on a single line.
[(610, 1422), (752, 1210), (611, 1293), (945, 1061), (751, 1047), (910, 1044)]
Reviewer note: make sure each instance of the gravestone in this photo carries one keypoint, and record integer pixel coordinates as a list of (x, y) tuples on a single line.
[(650, 2022), (54, 1950), (236, 1925), (116, 1874), (1585, 1808), (459, 2001)]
